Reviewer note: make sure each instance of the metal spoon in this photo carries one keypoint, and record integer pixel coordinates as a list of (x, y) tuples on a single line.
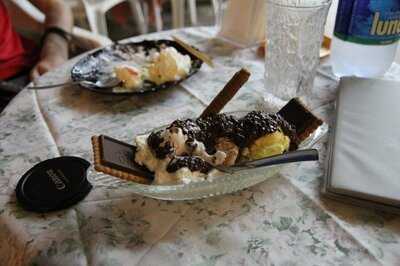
[(101, 84), (288, 157)]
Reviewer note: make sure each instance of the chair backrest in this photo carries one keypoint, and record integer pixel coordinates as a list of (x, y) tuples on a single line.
[(26, 18), (29, 20)]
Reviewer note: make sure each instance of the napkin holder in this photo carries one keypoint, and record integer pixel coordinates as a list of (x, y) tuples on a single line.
[(364, 146)]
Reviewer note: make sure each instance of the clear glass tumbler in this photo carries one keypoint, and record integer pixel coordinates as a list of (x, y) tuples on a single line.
[(294, 33)]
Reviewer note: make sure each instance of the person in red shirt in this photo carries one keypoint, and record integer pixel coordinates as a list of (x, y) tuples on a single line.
[(18, 55), (21, 59)]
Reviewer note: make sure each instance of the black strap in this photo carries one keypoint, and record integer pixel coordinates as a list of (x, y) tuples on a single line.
[(60, 32)]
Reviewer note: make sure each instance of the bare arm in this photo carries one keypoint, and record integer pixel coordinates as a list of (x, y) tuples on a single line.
[(54, 50), (56, 12), (30, 21)]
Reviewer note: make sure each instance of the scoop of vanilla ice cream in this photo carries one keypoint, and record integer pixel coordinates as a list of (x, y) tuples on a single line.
[(170, 65)]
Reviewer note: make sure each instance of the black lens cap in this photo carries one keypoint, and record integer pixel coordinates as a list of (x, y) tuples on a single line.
[(54, 184)]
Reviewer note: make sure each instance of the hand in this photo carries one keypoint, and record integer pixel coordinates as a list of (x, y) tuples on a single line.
[(54, 53), (46, 64)]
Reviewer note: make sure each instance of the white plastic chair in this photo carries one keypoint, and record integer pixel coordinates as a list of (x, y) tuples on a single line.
[(96, 10), (157, 13), (35, 20), (96, 14), (178, 13)]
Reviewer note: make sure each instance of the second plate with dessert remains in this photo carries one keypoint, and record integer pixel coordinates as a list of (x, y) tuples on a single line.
[(139, 67), (181, 161)]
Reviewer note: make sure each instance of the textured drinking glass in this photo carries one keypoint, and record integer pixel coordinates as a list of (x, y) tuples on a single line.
[(294, 34)]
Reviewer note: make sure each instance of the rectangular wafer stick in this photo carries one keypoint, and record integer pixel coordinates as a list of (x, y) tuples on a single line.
[(200, 55), (227, 93)]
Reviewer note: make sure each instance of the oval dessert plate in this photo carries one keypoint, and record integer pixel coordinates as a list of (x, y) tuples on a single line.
[(222, 184), (99, 65)]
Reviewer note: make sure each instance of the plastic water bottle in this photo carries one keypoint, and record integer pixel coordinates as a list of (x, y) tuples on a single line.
[(365, 37)]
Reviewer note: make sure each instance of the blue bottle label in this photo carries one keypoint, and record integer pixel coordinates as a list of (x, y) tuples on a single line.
[(375, 22)]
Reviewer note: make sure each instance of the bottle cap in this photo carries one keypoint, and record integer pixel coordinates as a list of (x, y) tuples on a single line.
[(54, 184)]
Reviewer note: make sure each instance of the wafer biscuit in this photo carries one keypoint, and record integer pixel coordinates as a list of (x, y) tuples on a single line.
[(116, 159)]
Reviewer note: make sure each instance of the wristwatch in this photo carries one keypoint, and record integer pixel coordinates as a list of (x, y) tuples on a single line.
[(59, 31)]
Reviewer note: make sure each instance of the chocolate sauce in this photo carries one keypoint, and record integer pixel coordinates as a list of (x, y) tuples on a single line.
[(208, 130), (155, 142), (214, 127), (256, 124), (191, 162), (189, 128)]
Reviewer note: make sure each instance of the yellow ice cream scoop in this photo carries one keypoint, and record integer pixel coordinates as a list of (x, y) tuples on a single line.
[(268, 145)]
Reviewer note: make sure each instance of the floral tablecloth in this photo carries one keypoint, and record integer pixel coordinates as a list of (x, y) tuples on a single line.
[(283, 221)]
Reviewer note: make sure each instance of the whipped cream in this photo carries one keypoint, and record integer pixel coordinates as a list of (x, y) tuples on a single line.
[(177, 140), (175, 137), (144, 156)]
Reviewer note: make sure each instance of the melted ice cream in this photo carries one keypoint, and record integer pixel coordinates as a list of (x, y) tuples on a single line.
[(170, 65)]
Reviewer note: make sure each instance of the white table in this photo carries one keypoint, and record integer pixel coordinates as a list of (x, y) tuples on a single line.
[(283, 221)]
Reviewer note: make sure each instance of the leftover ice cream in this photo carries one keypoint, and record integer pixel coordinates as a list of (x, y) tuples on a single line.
[(169, 65), (158, 67)]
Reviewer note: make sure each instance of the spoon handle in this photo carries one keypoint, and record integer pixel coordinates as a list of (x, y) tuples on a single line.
[(289, 157), (52, 85)]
